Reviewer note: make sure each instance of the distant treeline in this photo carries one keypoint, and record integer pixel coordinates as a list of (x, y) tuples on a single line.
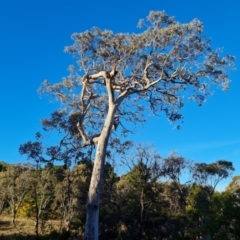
[(150, 201)]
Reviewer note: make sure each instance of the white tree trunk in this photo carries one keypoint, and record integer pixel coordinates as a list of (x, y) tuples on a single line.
[(91, 228)]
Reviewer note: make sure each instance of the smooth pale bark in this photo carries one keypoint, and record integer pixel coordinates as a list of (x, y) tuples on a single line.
[(91, 230)]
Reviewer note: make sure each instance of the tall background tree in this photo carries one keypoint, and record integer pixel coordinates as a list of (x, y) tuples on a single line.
[(121, 76)]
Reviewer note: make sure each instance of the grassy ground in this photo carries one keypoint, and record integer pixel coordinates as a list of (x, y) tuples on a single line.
[(23, 229)]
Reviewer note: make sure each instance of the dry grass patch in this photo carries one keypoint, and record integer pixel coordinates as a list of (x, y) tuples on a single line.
[(24, 226)]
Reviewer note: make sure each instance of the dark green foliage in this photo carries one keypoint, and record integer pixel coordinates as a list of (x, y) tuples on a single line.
[(137, 205)]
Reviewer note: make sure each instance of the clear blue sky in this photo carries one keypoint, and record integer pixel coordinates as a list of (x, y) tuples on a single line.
[(33, 34)]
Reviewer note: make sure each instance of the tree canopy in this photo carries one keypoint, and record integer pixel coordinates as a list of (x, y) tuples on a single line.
[(148, 70)]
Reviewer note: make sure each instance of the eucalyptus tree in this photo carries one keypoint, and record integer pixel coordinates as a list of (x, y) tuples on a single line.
[(15, 186), (211, 174), (122, 75), (3, 182), (141, 200), (234, 185), (174, 167), (41, 195)]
